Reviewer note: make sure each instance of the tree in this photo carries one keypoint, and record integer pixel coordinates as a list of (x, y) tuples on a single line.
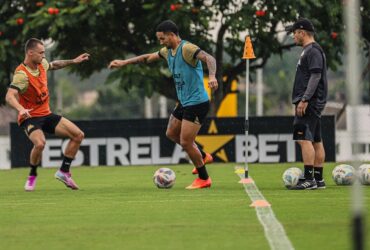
[(119, 29), (113, 102)]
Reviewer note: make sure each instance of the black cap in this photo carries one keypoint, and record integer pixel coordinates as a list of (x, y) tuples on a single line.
[(303, 24)]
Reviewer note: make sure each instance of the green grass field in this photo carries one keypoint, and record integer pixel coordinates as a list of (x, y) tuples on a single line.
[(120, 208)]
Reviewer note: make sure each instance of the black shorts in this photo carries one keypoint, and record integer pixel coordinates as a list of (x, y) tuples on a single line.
[(307, 127), (195, 113), (45, 123)]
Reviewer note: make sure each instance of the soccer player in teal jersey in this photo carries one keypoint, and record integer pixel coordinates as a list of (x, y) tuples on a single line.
[(184, 62)]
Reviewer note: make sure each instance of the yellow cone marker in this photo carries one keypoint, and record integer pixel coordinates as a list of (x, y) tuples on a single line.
[(239, 171)]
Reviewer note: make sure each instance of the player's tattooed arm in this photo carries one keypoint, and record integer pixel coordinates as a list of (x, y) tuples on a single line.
[(59, 64), (211, 64), (146, 58), (209, 60)]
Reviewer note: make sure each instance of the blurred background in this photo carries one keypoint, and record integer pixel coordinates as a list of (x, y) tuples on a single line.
[(119, 29)]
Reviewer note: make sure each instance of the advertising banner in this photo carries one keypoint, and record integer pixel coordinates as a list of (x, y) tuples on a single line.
[(144, 142)]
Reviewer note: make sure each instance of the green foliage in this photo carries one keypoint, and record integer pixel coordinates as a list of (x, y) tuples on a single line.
[(279, 73), (120, 29), (113, 102)]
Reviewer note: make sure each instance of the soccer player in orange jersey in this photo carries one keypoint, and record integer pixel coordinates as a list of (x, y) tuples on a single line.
[(29, 95)]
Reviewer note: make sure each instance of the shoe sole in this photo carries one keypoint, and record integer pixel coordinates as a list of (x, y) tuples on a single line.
[(68, 186), (27, 189), (309, 188), (190, 188)]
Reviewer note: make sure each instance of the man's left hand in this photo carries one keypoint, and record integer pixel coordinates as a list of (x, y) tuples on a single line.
[(212, 83), (81, 58)]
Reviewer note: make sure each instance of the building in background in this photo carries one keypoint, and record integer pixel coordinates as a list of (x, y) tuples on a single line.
[(345, 141)]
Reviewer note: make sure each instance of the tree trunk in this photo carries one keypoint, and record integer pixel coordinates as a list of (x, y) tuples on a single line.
[(219, 94)]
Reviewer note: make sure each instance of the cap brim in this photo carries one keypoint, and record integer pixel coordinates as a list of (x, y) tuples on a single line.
[(289, 28)]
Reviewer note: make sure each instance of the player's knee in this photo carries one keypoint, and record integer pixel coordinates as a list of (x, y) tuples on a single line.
[(40, 145), (79, 137)]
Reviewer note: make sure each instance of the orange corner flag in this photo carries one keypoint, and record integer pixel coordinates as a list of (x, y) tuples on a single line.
[(248, 49)]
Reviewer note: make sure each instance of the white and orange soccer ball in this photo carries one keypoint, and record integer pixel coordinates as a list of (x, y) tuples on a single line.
[(291, 177), (164, 178), (343, 174), (364, 174)]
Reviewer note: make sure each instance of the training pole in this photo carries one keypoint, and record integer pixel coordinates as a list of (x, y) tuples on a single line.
[(352, 19), (246, 124), (248, 54)]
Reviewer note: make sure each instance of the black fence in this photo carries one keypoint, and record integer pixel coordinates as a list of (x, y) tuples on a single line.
[(143, 142)]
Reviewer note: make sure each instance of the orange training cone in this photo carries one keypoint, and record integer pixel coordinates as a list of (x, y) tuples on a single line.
[(248, 49), (260, 203), (246, 181)]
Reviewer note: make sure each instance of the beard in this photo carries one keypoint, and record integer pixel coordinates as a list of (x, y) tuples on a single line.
[(299, 43)]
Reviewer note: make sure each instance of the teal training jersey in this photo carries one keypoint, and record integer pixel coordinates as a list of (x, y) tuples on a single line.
[(188, 79)]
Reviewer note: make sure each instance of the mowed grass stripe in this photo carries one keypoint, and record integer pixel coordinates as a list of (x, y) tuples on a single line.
[(311, 218), (274, 231), (120, 208)]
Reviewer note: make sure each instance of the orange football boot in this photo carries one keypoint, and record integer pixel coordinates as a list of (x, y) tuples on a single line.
[(207, 160), (199, 183)]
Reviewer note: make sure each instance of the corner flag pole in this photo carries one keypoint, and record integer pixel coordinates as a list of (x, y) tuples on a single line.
[(248, 54)]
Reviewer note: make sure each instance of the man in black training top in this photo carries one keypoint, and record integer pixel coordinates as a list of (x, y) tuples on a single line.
[(309, 97)]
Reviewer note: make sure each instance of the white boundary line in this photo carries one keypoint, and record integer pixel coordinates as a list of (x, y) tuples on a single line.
[(274, 231)]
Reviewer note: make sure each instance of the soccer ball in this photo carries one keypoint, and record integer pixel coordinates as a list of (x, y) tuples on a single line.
[(291, 176), (343, 174), (164, 178), (364, 174)]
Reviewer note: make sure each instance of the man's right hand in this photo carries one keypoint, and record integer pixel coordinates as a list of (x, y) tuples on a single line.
[(117, 64), (25, 113), (301, 108)]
